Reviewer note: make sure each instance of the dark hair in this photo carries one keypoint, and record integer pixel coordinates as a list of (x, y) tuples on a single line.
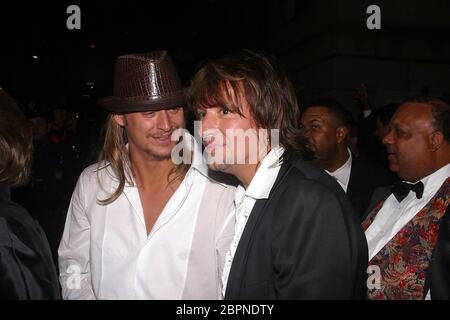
[(337, 111), (440, 110), (37, 109), (15, 143), (386, 112), (261, 81)]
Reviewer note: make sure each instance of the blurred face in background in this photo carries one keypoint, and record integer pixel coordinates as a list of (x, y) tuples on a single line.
[(39, 128), (60, 117), (320, 130), (326, 137)]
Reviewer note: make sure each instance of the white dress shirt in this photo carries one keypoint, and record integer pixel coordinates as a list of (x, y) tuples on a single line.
[(393, 216), (105, 252), (342, 174), (244, 200)]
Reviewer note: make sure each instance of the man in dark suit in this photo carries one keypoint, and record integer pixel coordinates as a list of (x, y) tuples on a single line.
[(407, 227), (296, 235), (326, 124)]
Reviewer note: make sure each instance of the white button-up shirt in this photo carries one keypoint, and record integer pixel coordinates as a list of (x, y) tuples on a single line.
[(394, 215), (342, 174), (244, 200), (105, 252)]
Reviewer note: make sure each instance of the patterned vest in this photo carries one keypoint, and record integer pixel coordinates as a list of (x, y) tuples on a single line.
[(405, 259)]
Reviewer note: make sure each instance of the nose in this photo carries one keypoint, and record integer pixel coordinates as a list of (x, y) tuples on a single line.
[(306, 132), (389, 137), (208, 121), (164, 122)]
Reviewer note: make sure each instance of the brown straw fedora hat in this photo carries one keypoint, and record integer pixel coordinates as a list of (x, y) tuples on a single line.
[(144, 82)]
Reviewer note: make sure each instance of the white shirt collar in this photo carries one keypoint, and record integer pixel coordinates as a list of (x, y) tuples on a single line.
[(393, 216), (244, 201), (198, 159), (265, 176), (435, 180), (342, 174)]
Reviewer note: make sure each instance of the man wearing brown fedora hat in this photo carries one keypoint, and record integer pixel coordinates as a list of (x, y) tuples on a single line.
[(139, 225)]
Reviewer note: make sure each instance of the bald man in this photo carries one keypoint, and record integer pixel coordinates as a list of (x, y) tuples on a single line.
[(408, 229)]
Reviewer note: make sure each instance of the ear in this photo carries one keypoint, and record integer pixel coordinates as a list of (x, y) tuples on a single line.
[(341, 134), (435, 140), (120, 119)]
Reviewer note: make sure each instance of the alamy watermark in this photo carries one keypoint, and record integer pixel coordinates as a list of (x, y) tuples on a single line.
[(374, 20), (374, 278), (74, 20), (73, 281), (234, 146)]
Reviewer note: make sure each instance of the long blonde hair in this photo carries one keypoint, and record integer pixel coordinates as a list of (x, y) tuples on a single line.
[(116, 155)]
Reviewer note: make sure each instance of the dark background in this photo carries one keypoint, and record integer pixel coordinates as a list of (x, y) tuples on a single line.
[(325, 45)]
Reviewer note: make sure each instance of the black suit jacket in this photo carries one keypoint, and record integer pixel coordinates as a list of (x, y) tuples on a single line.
[(26, 266), (438, 274), (303, 242), (365, 177)]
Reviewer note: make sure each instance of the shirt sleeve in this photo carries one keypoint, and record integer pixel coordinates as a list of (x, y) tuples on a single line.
[(74, 249)]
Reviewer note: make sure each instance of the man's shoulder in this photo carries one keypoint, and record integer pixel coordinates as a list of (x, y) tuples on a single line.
[(219, 187), (371, 171), (10, 209), (305, 183), (305, 172), (97, 176), (98, 169), (16, 219)]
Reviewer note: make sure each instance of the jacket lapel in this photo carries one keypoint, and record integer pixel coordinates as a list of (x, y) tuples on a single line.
[(353, 181), (240, 258), (379, 194)]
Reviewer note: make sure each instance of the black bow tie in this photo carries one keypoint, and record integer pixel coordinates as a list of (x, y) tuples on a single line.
[(401, 190)]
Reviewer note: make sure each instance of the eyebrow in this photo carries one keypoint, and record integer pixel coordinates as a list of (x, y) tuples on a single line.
[(314, 118), (396, 125)]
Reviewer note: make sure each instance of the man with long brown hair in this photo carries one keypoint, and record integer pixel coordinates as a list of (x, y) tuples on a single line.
[(26, 265), (141, 226), (296, 236)]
